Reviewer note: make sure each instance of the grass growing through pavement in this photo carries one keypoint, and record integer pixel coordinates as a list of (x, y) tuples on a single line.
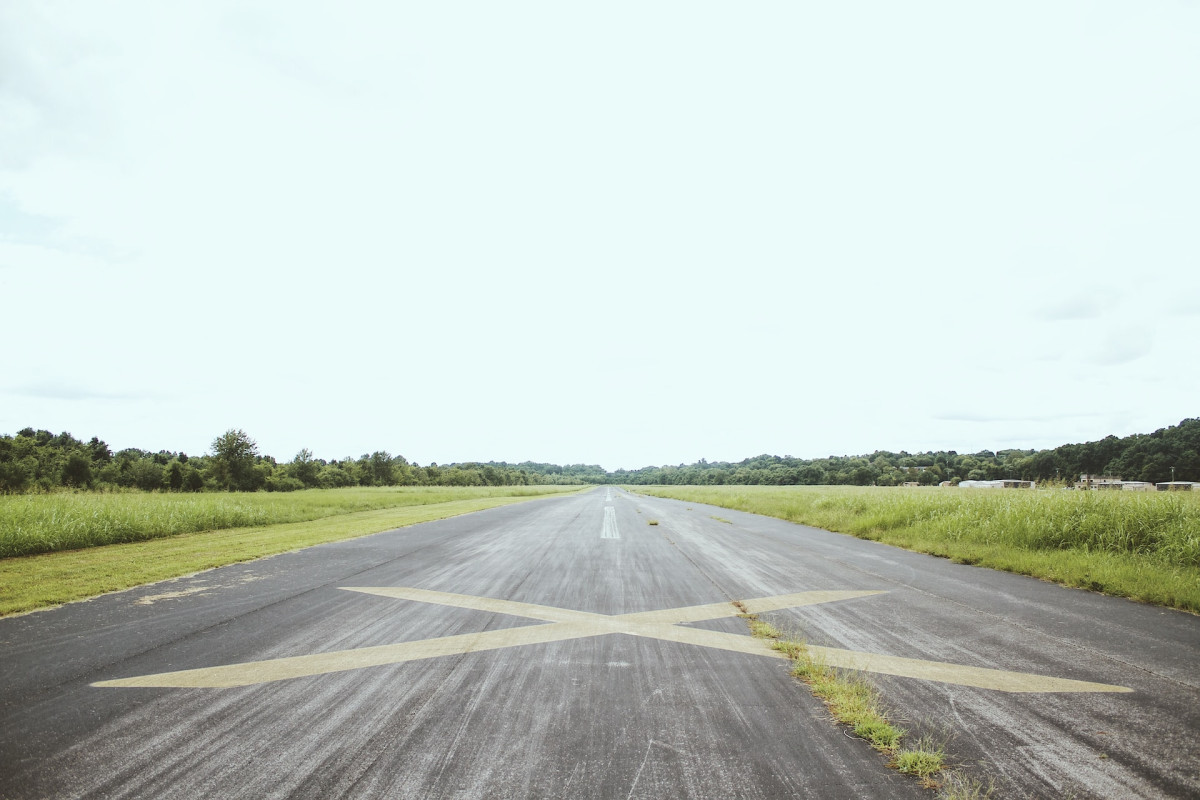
[(1143, 545), (854, 701), (926, 759), (957, 786), (48, 579)]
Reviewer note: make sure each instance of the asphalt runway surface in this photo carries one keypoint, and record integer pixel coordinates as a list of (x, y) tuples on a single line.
[(566, 647)]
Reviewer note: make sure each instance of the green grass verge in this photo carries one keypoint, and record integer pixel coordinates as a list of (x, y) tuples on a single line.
[(38, 581), (1145, 546), (42, 523)]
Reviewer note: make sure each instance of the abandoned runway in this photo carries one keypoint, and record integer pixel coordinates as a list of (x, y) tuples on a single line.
[(568, 647)]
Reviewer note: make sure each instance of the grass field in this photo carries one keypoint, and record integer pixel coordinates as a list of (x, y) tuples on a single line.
[(44, 523), (125, 540), (1133, 544)]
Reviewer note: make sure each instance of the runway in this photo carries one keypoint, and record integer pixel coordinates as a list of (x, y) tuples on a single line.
[(569, 647)]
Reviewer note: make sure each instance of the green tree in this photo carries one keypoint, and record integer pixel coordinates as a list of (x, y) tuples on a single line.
[(193, 480), (173, 475), (376, 469), (147, 474), (77, 471), (99, 451), (304, 468), (14, 476), (233, 460), (331, 476)]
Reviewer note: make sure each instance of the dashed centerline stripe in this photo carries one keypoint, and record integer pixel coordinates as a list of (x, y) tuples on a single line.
[(610, 531)]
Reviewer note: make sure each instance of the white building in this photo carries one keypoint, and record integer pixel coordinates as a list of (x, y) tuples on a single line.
[(1099, 482), (1007, 483)]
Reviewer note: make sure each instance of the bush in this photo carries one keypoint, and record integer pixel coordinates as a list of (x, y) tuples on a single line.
[(13, 477), (173, 475), (333, 477), (193, 481), (147, 475), (284, 483)]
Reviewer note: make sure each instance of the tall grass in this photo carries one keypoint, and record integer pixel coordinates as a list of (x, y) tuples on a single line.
[(45, 523), (1079, 538)]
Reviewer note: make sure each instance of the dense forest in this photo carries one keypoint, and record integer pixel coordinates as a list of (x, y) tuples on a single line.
[(38, 460), (1144, 457)]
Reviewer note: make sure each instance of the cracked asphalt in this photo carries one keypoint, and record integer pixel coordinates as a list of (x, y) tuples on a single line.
[(438, 682)]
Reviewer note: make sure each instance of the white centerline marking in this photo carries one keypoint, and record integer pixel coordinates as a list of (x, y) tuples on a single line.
[(609, 531)]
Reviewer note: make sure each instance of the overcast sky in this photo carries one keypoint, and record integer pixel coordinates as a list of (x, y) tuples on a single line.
[(614, 233)]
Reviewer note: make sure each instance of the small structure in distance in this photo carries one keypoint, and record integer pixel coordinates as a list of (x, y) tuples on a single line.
[(1099, 482), (1006, 483), (1114, 483)]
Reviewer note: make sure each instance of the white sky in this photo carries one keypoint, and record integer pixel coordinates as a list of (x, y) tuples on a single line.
[(615, 233)]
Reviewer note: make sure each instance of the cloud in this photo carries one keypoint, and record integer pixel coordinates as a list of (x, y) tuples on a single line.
[(204, 182), (53, 69), (1070, 298), (1070, 308), (1184, 305), (976, 417), (39, 261), (1123, 347), (64, 390)]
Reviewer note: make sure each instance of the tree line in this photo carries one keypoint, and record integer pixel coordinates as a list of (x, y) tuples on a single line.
[(1153, 457), (38, 460)]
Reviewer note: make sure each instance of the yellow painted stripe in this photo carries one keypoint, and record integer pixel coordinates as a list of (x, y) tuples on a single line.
[(762, 605), (939, 671), (278, 669), (569, 624), (979, 677), (527, 610)]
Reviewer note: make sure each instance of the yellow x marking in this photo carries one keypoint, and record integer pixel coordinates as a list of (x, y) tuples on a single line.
[(567, 624)]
